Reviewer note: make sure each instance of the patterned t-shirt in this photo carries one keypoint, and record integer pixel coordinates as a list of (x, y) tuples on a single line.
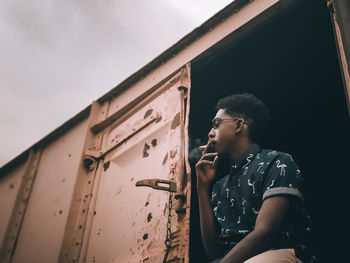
[(237, 198)]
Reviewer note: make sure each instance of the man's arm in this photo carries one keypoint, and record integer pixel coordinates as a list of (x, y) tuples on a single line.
[(272, 213), (210, 235), (206, 170)]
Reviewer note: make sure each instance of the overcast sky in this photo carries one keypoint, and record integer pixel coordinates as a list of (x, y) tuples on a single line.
[(57, 56)]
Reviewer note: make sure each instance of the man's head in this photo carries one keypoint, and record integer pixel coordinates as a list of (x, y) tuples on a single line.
[(239, 117)]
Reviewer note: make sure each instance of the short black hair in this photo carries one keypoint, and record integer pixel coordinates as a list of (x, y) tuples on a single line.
[(250, 108)]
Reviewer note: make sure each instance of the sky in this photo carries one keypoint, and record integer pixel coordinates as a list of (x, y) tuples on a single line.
[(57, 56)]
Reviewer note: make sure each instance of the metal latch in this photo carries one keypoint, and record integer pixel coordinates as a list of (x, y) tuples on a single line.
[(158, 184)]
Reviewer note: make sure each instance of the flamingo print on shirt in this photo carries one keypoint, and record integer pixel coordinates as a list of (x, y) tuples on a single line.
[(282, 167)]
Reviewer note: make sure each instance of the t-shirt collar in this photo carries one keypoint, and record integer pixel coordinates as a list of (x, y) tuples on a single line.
[(247, 157)]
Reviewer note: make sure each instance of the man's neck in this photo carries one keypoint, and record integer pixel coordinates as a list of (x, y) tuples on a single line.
[(241, 147)]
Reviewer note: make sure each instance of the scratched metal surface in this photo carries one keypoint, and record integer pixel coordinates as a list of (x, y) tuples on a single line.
[(130, 222)]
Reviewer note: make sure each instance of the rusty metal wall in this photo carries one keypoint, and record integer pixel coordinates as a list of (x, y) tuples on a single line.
[(69, 211), (41, 230), (126, 215), (9, 187)]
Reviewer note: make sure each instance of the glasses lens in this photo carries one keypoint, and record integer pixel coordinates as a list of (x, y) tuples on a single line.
[(216, 123)]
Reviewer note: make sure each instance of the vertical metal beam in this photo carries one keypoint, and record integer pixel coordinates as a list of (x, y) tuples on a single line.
[(187, 169), (13, 230), (340, 12), (75, 227)]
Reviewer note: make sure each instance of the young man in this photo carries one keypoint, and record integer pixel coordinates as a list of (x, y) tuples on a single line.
[(255, 213)]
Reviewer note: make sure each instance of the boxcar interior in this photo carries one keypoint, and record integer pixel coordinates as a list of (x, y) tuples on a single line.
[(291, 64)]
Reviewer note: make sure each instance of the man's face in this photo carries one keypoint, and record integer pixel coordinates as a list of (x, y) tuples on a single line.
[(223, 133)]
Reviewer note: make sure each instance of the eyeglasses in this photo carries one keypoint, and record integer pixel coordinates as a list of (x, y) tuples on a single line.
[(217, 121)]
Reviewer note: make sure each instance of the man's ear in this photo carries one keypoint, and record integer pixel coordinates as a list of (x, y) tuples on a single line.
[(239, 125)]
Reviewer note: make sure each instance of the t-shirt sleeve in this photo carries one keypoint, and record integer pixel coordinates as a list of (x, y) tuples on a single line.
[(283, 178)]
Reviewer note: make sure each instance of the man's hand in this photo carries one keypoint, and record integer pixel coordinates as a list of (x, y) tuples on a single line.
[(206, 166)]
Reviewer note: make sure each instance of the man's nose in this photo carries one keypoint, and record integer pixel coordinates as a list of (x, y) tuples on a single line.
[(211, 134)]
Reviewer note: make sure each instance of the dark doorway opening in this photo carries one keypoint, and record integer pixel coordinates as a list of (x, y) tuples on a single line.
[(291, 64)]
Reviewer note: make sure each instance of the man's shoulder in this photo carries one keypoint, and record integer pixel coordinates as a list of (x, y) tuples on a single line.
[(270, 154)]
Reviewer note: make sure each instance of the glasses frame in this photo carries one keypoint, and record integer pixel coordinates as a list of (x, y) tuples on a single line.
[(214, 126)]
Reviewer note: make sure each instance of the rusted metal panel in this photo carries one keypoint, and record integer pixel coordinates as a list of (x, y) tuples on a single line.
[(340, 12), (9, 187), (20, 207), (85, 179), (128, 223), (43, 225)]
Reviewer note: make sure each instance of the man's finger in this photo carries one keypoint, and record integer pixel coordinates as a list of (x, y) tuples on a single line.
[(207, 147), (208, 156), (202, 162), (216, 159)]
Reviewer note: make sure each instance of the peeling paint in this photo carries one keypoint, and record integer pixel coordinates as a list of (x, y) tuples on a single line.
[(176, 121), (173, 153), (106, 165), (145, 236), (149, 197), (149, 217), (119, 189), (159, 119), (151, 245), (147, 203), (131, 179), (145, 151), (148, 113), (165, 159), (154, 142)]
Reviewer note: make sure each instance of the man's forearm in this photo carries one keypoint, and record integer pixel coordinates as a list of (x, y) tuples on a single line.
[(208, 228), (254, 243)]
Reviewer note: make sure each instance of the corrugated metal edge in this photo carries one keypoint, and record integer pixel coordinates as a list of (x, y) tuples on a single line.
[(163, 57)]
